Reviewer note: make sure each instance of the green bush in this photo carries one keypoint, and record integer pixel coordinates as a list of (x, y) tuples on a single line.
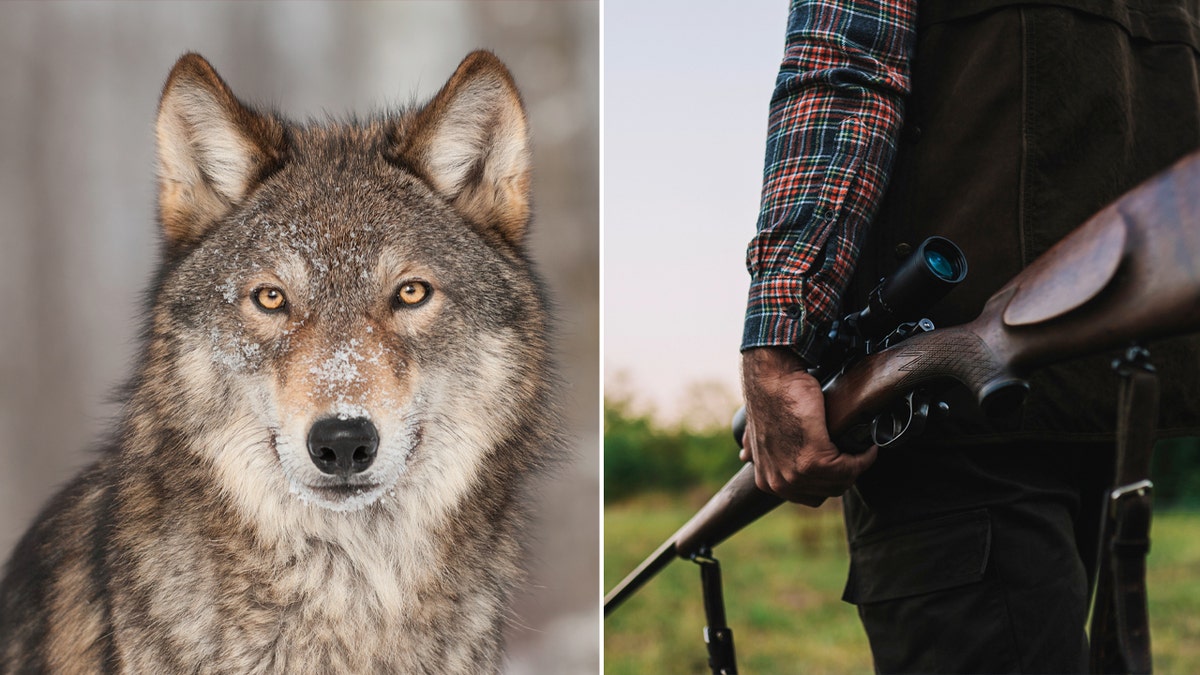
[(642, 456), (1176, 473)]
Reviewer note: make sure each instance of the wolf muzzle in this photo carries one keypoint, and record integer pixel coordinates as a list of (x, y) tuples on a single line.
[(343, 447)]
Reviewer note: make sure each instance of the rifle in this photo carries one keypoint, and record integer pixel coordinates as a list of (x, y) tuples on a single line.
[(1131, 273)]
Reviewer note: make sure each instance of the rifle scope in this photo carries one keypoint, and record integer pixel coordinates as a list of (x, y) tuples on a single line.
[(921, 280)]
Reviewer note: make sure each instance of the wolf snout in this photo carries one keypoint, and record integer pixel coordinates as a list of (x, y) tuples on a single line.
[(343, 447)]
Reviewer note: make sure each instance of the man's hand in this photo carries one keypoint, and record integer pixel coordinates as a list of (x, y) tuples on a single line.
[(786, 436)]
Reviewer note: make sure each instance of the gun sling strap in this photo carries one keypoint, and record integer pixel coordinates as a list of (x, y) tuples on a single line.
[(1120, 631)]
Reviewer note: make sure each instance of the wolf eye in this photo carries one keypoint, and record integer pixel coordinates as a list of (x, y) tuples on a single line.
[(269, 299), (412, 293)]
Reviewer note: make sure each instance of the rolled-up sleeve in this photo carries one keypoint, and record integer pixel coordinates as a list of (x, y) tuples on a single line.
[(834, 121)]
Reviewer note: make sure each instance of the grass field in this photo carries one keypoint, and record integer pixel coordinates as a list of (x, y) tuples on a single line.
[(783, 581)]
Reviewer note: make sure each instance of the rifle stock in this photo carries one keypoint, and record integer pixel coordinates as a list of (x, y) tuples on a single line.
[(1131, 272)]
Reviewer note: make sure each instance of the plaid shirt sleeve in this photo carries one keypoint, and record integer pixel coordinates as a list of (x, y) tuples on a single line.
[(835, 115)]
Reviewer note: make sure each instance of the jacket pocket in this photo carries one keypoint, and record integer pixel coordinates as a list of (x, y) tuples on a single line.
[(919, 558)]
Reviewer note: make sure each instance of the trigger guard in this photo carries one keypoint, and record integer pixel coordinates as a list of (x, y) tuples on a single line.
[(915, 413)]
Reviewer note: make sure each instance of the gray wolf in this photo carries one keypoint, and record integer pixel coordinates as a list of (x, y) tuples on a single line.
[(323, 456)]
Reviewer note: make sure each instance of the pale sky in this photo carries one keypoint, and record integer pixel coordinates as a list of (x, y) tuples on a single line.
[(687, 86)]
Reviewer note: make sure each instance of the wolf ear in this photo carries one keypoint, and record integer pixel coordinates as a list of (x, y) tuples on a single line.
[(211, 150), (471, 142)]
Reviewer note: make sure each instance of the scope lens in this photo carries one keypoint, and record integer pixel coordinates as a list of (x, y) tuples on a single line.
[(940, 264)]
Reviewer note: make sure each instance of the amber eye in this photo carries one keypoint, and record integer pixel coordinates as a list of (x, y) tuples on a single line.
[(269, 299), (412, 293)]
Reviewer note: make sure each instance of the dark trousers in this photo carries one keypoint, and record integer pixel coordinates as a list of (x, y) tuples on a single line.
[(973, 550), (977, 560)]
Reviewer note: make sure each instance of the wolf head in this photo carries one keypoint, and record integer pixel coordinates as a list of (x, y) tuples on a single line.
[(346, 312)]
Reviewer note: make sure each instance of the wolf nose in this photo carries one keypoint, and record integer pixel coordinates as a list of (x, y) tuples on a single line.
[(343, 447)]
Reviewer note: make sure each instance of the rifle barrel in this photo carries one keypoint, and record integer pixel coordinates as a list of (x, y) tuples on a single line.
[(631, 583)]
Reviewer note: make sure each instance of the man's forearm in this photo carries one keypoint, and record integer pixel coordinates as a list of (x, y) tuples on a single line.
[(835, 116)]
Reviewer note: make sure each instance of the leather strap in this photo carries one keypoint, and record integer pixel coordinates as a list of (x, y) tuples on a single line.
[(1120, 635)]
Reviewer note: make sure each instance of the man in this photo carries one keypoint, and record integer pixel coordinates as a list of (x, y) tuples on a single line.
[(1003, 126)]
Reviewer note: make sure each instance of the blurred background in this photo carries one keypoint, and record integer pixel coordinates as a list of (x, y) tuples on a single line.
[(80, 83), (687, 85)]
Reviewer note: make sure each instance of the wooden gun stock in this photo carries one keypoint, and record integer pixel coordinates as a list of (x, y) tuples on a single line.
[(1131, 272)]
